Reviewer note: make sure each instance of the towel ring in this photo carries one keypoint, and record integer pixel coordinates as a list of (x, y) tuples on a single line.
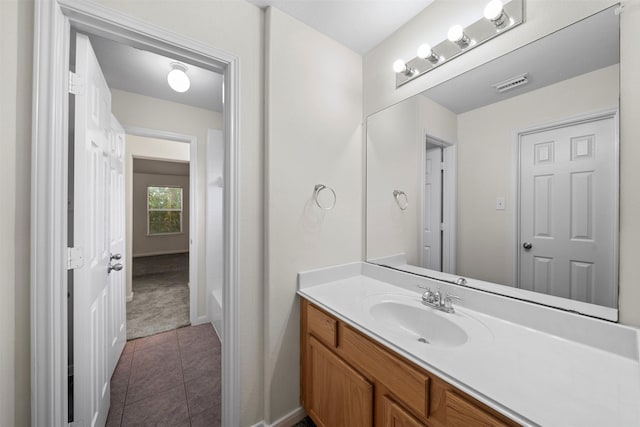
[(399, 195), (316, 194)]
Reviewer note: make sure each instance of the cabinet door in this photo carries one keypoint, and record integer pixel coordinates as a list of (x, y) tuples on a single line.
[(461, 413), (395, 416), (338, 396)]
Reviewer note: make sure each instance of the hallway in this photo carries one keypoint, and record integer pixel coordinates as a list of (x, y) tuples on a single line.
[(172, 378)]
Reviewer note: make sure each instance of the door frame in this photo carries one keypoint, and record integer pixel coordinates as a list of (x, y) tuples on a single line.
[(49, 253), (601, 114), (194, 252), (449, 205)]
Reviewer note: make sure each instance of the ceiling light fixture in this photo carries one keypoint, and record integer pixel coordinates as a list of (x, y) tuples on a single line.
[(494, 12), (499, 17), (457, 35), (401, 67), (177, 77), (425, 52)]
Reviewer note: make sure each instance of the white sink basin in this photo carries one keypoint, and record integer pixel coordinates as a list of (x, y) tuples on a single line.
[(422, 325), (402, 317)]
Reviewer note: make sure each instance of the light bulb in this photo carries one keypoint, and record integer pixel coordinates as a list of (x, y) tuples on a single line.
[(424, 51), (399, 66), (493, 10), (455, 34), (178, 79)]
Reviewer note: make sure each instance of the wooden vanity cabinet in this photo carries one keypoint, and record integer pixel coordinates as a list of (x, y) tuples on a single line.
[(349, 380), (337, 394)]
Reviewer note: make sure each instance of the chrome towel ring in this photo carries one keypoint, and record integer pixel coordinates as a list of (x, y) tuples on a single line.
[(401, 199), (316, 196)]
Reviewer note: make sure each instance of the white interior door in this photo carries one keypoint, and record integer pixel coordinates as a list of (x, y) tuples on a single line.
[(432, 209), (568, 226), (117, 280), (91, 225)]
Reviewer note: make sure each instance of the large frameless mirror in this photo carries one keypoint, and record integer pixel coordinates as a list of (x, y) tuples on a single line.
[(508, 174)]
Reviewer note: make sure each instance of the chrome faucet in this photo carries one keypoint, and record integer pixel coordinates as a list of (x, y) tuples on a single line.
[(436, 300)]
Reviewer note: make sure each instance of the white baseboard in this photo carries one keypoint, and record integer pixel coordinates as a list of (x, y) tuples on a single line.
[(200, 320), (287, 421), (130, 297), (174, 252)]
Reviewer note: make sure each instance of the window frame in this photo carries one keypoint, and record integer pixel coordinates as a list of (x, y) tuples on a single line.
[(181, 210)]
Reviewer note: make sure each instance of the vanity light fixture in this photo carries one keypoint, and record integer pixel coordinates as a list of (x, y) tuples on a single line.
[(401, 67), (457, 35), (494, 12), (177, 77), (425, 52), (498, 18)]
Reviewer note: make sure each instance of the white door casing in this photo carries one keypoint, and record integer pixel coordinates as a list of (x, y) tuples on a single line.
[(52, 23), (117, 280), (214, 249), (563, 171), (91, 175)]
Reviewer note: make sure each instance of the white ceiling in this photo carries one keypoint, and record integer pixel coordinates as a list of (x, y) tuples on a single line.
[(358, 24), (133, 70)]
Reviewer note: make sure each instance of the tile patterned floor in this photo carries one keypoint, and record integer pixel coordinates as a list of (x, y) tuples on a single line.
[(306, 422), (169, 379)]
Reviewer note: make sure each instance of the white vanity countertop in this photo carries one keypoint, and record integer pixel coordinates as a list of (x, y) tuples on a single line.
[(531, 376)]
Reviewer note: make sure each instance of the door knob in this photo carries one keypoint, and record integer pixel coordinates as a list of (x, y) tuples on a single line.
[(527, 245), (116, 267), (116, 256)]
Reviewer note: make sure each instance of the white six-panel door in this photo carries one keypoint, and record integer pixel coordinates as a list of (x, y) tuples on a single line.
[(567, 212), (92, 177)]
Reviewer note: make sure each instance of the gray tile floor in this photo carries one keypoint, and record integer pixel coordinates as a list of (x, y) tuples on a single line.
[(306, 422), (172, 378)]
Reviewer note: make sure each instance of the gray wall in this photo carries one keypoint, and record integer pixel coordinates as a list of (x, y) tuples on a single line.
[(144, 244)]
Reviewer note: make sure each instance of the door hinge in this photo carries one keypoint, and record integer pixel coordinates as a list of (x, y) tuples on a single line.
[(442, 226), (75, 258), (441, 166), (76, 84)]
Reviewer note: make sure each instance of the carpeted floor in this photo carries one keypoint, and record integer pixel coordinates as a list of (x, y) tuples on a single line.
[(160, 295)]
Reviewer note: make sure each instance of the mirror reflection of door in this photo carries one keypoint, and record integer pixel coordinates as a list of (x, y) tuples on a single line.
[(567, 225), (432, 212), (437, 208)]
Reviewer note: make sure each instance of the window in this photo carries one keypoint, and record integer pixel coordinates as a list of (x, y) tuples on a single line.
[(164, 210)]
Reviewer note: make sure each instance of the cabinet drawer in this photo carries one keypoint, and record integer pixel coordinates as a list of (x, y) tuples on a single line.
[(461, 413), (395, 416), (322, 326), (405, 382)]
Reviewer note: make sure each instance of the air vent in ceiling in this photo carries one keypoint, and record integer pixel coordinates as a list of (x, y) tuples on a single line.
[(511, 83)]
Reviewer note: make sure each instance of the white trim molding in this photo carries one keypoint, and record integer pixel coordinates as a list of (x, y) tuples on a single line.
[(288, 420), (53, 22)]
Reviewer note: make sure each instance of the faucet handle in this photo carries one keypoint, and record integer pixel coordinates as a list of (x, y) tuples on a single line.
[(448, 299), (437, 296), (428, 295)]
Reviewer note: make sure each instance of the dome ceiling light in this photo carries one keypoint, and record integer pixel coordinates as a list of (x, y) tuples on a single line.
[(177, 77)]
